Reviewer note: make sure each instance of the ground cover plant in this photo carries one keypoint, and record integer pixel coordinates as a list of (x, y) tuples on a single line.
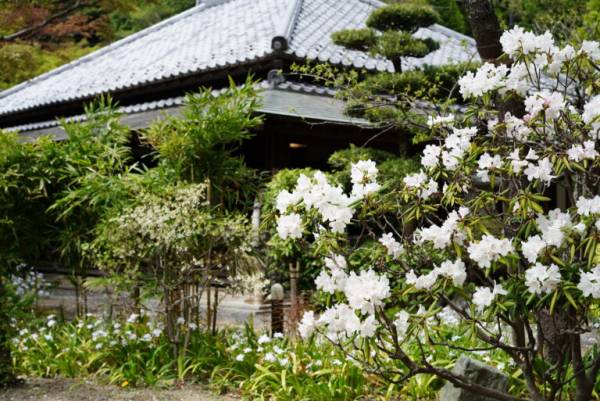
[(134, 350)]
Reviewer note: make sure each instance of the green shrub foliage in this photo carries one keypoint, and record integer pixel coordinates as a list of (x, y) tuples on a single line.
[(403, 16), (355, 39)]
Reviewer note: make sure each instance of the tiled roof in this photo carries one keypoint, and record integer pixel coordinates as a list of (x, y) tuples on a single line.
[(217, 35), (294, 99)]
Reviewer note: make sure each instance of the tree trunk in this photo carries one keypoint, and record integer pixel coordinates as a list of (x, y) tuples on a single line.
[(485, 28), (486, 31)]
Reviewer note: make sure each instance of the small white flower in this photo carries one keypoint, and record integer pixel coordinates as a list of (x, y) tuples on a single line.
[(133, 318), (264, 339)]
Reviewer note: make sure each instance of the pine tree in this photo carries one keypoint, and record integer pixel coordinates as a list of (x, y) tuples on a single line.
[(389, 33)]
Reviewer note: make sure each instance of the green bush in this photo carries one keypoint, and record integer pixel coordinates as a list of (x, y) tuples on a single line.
[(394, 45), (355, 39), (403, 16)]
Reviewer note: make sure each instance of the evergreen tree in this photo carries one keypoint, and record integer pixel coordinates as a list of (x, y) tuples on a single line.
[(387, 98), (389, 33)]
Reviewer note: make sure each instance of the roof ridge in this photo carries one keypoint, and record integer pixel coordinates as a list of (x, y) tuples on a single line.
[(93, 55), (375, 3), (283, 37)]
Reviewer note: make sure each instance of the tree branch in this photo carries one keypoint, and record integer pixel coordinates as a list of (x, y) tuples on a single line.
[(26, 32)]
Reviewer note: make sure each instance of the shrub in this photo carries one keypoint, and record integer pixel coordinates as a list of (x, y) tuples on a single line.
[(474, 234), (403, 16), (355, 39)]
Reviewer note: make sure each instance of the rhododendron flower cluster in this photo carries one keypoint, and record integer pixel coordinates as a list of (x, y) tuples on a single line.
[(332, 204)]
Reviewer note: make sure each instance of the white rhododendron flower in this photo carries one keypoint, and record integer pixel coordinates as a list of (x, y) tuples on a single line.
[(553, 226), (542, 171), (591, 115), (401, 322), (484, 296), (368, 327), (487, 78), (516, 80), (285, 199), (415, 180), (394, 248), (442, 236), (586, 207), (366, 290), (289, 226), (591, 110), (423, 282), (431, 156), (579, 152), (550, 103), (518, 41), (516, 163), (340, 320), (541, 279), (335, 279), (363, 175), (516, 128), (489, 249), (455, 270), (591, 49), (330, 201), (589, 283), (307, 325), (532, 248), (487, 163), (425, 186)]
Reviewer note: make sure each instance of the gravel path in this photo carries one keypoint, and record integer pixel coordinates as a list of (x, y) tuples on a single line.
[(79, 390)]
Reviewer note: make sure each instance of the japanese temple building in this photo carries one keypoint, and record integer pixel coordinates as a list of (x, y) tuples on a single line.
[(149, 73)]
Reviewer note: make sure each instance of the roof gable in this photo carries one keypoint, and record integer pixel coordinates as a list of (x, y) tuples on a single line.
[(217, 35)]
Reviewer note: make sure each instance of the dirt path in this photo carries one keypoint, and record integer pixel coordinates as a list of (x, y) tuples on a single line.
[(79, 390)]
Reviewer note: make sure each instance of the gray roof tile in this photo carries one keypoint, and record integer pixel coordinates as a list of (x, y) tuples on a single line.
[(216, 35), (294, 99)]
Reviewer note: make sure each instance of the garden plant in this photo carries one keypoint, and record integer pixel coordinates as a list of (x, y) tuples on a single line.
[(499, 229)]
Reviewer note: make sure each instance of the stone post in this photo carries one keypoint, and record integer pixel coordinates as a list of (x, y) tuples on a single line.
[(276, 308)]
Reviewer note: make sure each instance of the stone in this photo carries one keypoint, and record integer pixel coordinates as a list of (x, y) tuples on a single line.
[(476, 372)]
